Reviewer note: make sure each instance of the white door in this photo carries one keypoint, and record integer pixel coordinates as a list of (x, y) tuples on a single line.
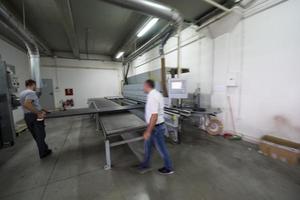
[(47, 97)]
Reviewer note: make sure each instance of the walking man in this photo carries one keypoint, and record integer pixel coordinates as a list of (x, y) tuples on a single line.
[(154, 134), (34, 117)]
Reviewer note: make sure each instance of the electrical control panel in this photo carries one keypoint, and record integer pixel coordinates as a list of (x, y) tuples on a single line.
[(178, 88)]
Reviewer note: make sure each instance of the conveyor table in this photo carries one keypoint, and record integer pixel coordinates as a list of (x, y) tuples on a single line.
[(117, 124), (120, 124), (89, 111), (113, 119)]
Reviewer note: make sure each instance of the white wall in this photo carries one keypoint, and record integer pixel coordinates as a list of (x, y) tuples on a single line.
[(263, 51), (87, 78), (270, 84), (19, 59), (194, 53)]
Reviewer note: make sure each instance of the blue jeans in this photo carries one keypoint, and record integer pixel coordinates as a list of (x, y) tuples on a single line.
[(157, 138)]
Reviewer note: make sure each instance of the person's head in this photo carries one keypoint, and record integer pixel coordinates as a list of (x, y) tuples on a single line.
[(149, 85), (30, 84)]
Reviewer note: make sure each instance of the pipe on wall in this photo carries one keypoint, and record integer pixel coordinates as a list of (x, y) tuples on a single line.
[(152, 8), (34, 58), (216, 4), (16, 27), (19, 27), (179, 50), (163, 63), (156, 9), (154, 40), (33, 54), (159, 10)]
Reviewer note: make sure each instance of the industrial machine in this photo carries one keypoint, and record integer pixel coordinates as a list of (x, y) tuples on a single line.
[(122, 117), (177, 88), (8, 102), (179, 104)]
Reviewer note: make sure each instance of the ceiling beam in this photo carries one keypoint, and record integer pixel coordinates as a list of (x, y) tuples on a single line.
[(65, 10), (216, 4)]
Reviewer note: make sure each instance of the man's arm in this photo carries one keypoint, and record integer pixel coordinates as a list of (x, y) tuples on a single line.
[(150, 126), (28, 105)]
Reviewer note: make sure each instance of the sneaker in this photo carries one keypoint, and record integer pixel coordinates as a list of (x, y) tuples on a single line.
[(142, 169), (165, 171), (48, 153)]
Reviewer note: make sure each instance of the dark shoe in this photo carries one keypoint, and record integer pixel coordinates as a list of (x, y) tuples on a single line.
[(48, 153), (142, 169), (165, 171)]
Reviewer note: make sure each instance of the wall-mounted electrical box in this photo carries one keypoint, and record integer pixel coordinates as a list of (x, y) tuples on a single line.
[(8, 101)]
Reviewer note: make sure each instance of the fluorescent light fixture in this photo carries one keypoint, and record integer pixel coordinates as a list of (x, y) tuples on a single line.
[(147, 27), (120, 54)]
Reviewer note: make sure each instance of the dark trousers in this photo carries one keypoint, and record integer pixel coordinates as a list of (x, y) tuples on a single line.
[(157, 139), (37, 130)]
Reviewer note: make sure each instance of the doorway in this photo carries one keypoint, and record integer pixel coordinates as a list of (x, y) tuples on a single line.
[(47, 97)]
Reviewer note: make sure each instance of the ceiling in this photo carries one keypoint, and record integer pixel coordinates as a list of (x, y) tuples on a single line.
[(91, 26)]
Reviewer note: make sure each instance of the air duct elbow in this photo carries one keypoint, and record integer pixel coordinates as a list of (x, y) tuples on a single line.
[(35, 69), (34, 61), (164, 41), (16, 28), (152, 8)]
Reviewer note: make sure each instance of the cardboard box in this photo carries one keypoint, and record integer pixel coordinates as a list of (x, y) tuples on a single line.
[(280, 149)]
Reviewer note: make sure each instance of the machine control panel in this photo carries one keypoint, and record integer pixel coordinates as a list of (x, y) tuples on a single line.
[(178, 88)]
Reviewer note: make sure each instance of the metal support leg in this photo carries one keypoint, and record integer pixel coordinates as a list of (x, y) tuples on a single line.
[(97, 122), (107, 154), (176, 133), (179, 132)]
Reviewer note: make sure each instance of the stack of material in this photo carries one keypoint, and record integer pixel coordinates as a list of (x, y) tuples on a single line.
[(281, 149)]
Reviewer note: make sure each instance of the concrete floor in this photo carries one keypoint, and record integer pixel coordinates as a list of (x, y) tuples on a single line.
[(207, 167)]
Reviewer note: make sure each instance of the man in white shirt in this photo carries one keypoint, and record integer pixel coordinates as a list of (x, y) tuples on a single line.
[(154, 134)]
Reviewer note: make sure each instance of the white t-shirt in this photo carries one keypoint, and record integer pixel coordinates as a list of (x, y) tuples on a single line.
[(154, 105)]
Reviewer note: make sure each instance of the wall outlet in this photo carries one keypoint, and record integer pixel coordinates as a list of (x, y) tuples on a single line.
[(232, 79)]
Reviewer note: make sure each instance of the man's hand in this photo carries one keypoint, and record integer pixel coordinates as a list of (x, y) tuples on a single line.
[(41, 115), (147, 135), (151, 126)]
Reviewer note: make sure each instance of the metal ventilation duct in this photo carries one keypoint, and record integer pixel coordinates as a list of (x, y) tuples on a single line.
[(156, 9), (16, 27), (154, 40), (150, 8), (161, 11)]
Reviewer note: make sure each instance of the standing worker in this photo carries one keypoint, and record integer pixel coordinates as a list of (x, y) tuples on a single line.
[(154, 134), (34, 117)]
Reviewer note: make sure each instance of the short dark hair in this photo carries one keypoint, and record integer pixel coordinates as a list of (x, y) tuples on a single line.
[(30, 82), (150, 83)]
